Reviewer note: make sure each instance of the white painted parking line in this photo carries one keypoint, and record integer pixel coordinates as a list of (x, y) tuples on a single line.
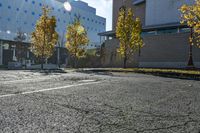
[(7, 95), (87, 80), (49, 89), (28, 80)]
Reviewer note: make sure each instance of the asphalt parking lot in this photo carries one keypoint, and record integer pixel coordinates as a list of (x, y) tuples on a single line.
[(34, 102)]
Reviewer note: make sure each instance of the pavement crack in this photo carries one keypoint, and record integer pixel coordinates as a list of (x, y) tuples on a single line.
[(167, 127)]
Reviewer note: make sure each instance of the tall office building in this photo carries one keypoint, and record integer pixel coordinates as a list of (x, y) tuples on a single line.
[(23, 15), (166, 41)]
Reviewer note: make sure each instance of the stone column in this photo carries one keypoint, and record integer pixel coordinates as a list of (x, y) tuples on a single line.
[(14, 53), (27, 54)]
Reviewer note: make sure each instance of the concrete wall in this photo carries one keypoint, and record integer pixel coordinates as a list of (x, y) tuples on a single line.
[(159, 51), (164, 11), (113, 59), (139, 11), (117, 4), (167, 50)]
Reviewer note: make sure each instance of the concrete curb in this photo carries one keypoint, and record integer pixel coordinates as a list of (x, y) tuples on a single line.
[(162, 74)]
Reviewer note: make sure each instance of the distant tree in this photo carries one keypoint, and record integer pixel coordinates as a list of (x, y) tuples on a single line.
[(128, 31), (191, 16), (20, 38), (45, 37), (76, 40)]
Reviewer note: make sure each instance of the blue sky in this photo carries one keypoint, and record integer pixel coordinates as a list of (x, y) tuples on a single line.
[(104, 9)]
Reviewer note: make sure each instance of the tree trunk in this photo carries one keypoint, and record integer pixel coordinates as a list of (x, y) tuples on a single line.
[(42, 63), (190, 60), (125, 60), (75, 62)]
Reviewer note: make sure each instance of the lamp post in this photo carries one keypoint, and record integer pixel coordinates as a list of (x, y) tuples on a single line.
[(67, 7), (1, 52), (58, 46)]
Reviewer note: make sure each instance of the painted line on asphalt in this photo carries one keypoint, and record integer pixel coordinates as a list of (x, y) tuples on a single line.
[(49, 89), (87, 80), (28, 80)]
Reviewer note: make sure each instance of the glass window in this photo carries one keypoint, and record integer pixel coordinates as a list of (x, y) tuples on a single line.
[(0, 5), (149, 33), (33, 13), (137, 1), (17, 9), (167, 31), (9, 7), (33, 2), (184, 30)]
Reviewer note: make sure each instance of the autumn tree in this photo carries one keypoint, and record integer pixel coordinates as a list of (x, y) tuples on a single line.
[(128, 31), (76, 40), (191, 16), (45, 37)]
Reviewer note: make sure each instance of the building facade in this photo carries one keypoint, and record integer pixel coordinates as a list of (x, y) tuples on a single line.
[(23, 15), (166, 41)]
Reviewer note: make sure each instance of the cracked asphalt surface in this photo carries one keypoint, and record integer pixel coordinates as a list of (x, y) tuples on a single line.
[(33, 102)]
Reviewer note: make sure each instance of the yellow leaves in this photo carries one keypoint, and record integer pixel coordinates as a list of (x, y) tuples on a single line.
[(76, 39), (184, 8), (191, 16), (44, 38), (128, 31)]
